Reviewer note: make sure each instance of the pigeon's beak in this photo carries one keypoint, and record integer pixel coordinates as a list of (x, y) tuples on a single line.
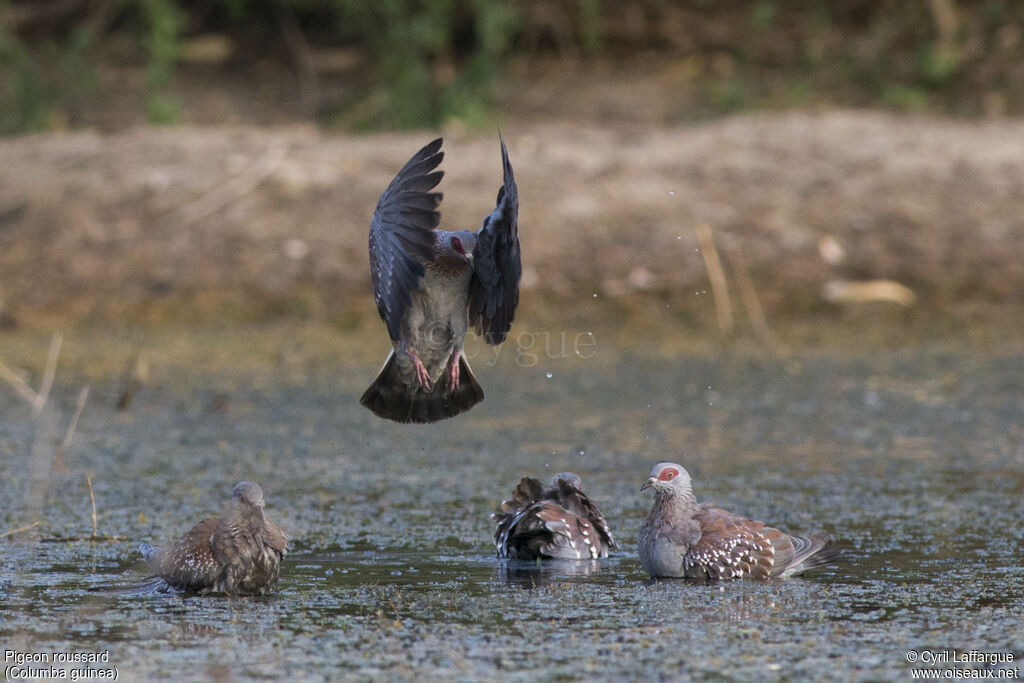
[(648, 484)]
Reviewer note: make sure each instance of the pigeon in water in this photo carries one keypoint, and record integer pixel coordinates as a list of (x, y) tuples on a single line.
[(681, 538), (238, 554), (431, 285), (560, 522)]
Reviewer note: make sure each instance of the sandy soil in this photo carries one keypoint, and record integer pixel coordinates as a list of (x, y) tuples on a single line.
[(196, 222)]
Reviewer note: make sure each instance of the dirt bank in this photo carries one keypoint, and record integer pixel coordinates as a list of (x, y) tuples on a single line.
[(196, 222)]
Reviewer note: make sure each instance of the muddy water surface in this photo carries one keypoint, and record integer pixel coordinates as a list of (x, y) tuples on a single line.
[(913, 461)]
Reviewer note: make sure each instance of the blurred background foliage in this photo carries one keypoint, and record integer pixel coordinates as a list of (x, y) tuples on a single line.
[(406, 63)]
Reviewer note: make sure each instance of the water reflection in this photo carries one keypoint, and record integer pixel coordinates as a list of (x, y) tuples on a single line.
[(527, 574)]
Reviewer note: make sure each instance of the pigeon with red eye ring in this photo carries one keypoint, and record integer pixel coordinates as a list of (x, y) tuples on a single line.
[(684, 539), (560, 522), (431, 285)]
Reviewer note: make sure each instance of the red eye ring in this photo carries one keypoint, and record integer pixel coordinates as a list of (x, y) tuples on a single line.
[(457, 246), (668, 474)]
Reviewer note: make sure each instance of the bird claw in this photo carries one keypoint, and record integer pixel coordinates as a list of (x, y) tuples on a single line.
[(453, 372), (422, 376)]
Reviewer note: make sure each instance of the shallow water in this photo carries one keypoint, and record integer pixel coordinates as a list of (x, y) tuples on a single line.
[(913, 461)]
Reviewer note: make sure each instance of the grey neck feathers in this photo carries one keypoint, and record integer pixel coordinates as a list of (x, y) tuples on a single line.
[(683, 501)]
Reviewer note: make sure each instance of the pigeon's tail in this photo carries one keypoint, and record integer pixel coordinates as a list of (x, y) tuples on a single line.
[(390, 398), (816, 551), (147, 551)]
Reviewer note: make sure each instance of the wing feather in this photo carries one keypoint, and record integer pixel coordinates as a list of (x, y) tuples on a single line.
[(730, 547), (402, 234), (494, 288), (584, 508)]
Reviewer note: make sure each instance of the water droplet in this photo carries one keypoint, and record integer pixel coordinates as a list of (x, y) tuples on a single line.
[(595, 295), (329, 572), (672, 192), (581, 452), (549, 375)]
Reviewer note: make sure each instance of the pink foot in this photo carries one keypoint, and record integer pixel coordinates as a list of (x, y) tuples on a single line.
[(421, 370), (453, 371)]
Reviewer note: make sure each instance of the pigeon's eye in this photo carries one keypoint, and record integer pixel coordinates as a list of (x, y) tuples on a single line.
[(668, 474), (457, 246)]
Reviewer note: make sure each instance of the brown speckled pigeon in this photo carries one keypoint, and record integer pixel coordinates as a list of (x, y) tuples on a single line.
[(431, 285), (239, 553), (560, 522), (681, 538)]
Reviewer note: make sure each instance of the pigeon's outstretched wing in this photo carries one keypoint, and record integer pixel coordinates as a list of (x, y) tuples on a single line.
[(494, 289), (401, 234)]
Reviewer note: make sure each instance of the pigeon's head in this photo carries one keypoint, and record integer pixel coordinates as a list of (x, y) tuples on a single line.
[(459, 245), (668, 477), (567, 480), (248, 492)]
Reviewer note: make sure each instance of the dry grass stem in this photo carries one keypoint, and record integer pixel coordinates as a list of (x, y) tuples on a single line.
[(752, 302), (11, 532), (92, 500), (132, 379), (73, 424), (18, 384), (58, 463), (719, 284), (43, 395)]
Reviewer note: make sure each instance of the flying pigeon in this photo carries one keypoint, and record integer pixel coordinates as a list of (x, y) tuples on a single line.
[(559, 522), (681, 538), (238, 554), (430, 285)]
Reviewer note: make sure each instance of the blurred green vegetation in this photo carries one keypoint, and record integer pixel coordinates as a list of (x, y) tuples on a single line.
[(432, 59), (421, 62)]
